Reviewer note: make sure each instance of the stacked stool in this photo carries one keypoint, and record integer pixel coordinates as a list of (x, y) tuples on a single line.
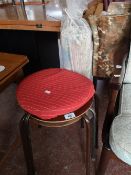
[(55, 98)]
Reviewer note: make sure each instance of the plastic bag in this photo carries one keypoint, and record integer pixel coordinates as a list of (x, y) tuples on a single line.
[(76, 46), (76, 7)]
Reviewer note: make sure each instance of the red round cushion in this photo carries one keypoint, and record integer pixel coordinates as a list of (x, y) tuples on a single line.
[(52, 92)]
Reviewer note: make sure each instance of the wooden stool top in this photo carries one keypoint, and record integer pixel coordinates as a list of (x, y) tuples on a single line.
[(13, 64)]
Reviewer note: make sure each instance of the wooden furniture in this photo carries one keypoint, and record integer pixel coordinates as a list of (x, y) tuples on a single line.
[(53, 95), (32, 30), (13, 68), (13, 72), (112, 110), (31, 17)]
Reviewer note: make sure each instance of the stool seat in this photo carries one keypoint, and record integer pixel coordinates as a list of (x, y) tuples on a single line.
[(53, 92)]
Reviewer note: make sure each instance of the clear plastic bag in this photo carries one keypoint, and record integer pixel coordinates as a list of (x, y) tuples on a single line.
[(76, 46), (76, 7)]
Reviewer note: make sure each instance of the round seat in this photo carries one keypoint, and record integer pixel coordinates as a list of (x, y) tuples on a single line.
[(120, 137), (53, 92)]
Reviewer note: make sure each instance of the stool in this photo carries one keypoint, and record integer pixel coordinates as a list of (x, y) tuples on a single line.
[(55, 98)]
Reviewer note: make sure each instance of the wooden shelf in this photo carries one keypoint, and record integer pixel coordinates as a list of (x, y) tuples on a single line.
[(31, 17)]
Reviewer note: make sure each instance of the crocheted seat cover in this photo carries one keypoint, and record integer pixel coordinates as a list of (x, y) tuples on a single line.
[(120, 132), (125, 100), (52, 92), (120, 137), (127, 78)]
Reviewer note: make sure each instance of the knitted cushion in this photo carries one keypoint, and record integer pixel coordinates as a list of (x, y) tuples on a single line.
[(120, 137), (125, 101), (52, 92), (127, 78)]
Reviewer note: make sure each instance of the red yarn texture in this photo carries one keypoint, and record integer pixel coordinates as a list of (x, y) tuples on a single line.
[(52, 92)]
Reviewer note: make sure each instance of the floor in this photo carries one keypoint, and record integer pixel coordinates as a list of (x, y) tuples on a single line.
[(57, 151)]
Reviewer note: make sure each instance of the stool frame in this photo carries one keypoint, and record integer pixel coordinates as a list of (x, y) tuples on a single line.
[(81, 114)]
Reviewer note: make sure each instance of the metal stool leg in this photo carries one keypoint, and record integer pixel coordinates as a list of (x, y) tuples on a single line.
[(96, 119), (90, 146), (94, 132), (82, 123), (26, 141)]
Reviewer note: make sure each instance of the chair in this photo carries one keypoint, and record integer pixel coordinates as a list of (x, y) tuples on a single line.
[(55, 98), (11, 71), (117, 131)]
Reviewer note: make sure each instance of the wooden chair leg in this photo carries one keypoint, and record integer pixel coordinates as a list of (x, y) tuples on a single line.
[(26, 141), (106, 155)]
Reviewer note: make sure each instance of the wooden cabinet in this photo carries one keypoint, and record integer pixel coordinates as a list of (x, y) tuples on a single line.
[(31, 30)]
